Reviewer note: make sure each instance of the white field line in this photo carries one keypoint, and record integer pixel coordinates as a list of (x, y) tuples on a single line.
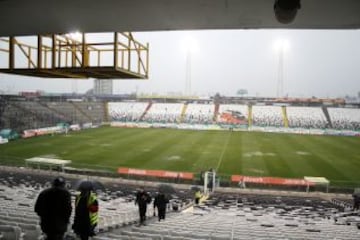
[(223, 151)]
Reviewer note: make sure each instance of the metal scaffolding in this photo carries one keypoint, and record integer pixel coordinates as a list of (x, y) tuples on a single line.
[(116, 56)]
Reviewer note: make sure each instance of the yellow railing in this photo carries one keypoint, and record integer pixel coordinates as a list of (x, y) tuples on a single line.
[(285, 118), (183, 112), (250, 115), (121, 52)]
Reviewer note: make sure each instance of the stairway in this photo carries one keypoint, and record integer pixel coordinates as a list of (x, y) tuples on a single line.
[(55, 112), (33, 119), (81, 111), (250, 115), (183, 112), (106, 111), (146, 110), (285, 118), (3, 104), (216, 111), (327, 115)]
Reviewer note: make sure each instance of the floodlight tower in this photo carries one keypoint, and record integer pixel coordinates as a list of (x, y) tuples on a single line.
[(188, 73), (281, 46), (190, 47)]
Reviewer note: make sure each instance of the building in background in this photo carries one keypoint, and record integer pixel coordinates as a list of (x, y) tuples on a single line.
[(102, 87)]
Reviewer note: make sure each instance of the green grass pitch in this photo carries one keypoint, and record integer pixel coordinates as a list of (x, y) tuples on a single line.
[(248, 153)]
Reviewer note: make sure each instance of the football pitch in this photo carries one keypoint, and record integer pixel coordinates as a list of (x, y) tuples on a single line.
[(248, 153)]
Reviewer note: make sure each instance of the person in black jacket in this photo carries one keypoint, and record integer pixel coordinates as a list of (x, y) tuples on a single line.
[(356, 200), (53, 206), (160, 203), (142, 200)]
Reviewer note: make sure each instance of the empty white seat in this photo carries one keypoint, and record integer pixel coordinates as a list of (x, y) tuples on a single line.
[(10, 232), (31, 231)]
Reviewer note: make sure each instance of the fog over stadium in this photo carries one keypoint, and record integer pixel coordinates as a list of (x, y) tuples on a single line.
[(320, 63)]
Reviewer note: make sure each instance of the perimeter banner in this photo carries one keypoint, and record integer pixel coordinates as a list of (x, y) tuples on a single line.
[(271, 180), (156, 173)]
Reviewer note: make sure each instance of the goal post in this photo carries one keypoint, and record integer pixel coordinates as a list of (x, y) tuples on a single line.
[(209, 181)]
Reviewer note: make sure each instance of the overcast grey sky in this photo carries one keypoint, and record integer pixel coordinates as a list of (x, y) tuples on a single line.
[(321, 63)]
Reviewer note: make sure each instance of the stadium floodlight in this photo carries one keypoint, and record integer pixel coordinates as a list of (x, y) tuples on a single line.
[(190, 45), (77, 36), (281, 46)]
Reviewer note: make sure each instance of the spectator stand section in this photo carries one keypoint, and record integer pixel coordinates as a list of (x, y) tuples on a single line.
[(164, 113), (345, 118), (126, 111), (267, 116), (199, 113), (233, 115), (306, 117), (208, 116)]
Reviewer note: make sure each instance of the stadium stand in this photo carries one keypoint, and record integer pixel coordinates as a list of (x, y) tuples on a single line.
[(126, 111), (68, 109), (164, 113), (345, 118), (222, 216), (95, 111), (232, 113), (30, 114), (266, 116), (19, 189), (199, 113), (248, 216), (306, 117), (22, 114), (27, 115), (3, 104)]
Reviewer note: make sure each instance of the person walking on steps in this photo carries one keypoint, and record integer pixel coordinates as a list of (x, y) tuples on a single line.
[(142, 200)]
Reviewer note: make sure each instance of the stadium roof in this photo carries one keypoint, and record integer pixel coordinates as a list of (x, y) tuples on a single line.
[(24, 17)]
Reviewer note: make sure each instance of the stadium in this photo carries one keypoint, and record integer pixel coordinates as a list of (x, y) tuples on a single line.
[(267, 167), (155, 135)]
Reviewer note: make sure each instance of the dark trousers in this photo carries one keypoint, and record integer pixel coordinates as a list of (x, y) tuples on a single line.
[(52, 236), (161, 212), (142, 213), (356, 205)]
